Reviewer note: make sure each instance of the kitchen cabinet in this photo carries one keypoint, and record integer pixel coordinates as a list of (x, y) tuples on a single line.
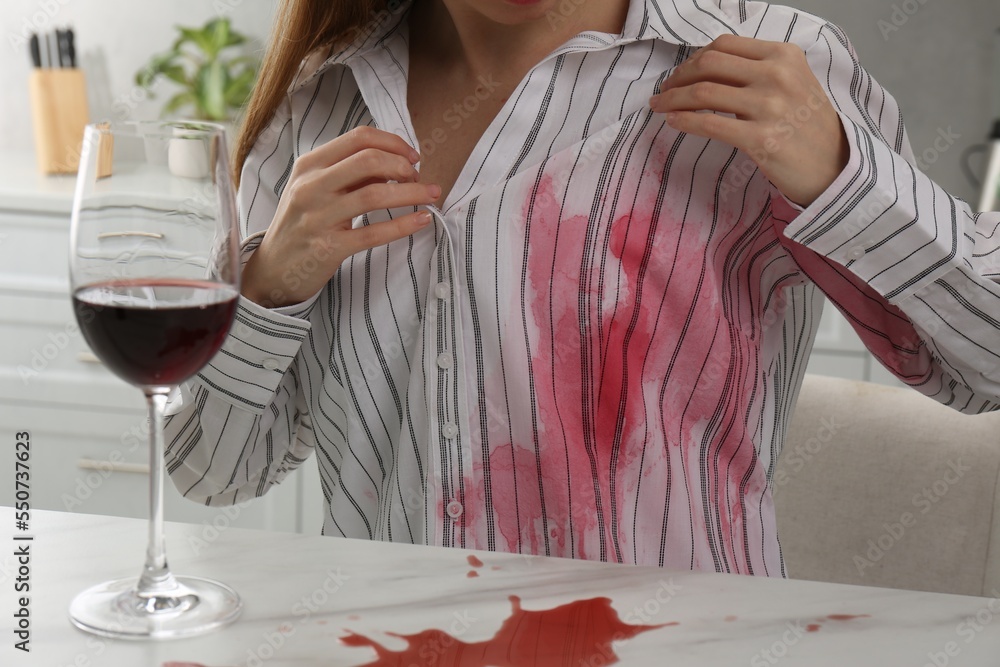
[(89, 450)]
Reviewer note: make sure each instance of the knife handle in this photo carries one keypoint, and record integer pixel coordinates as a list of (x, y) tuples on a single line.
[(36, 50), (59, 48), (71, 47), (46, 53)]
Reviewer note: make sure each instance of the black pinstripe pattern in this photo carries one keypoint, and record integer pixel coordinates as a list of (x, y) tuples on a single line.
[(628, 310)]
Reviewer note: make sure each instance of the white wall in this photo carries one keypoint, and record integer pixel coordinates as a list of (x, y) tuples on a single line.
[(114, 38), (938, 66)]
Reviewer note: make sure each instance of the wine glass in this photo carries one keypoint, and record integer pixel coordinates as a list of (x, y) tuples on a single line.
[(154, 273)]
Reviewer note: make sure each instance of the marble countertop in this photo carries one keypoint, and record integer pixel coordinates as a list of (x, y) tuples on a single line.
[(307, 597), (24, 188)]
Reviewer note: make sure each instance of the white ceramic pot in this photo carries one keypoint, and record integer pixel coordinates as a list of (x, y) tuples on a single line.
[(188, 157)]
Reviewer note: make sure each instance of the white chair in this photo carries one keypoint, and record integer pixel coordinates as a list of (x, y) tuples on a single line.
[(882, 486)]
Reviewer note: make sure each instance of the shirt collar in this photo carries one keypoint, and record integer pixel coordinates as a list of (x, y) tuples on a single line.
[(680, 22), (368, 37)]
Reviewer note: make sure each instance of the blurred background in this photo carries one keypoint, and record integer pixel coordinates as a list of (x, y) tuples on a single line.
[(115, 39), (934, 55)]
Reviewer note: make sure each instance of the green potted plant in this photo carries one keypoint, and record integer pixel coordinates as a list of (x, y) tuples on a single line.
[(212, 68)]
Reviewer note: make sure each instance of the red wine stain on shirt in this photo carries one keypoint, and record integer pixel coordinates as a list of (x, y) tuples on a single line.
[(496, 568), (354, 617), (846, 617), (812, 627), (730, 619), (580, 632), (472, 574), (618, 302), (474, 562)]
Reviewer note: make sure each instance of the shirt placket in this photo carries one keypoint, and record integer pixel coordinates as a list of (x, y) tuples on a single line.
[(447, 436), (447, 446), (441, 388)]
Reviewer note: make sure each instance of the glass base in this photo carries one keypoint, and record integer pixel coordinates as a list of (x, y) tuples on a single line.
[(193, 607)]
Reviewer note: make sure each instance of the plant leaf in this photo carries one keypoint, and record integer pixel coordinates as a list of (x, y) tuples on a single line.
[(211, 90), (202, 39), (212, 84), (217, 31), (179, 100), (158, 64), (239, 88), (176, 74)]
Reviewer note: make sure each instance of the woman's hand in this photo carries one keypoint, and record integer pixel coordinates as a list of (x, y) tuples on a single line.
[(784, 119), (311, 234)]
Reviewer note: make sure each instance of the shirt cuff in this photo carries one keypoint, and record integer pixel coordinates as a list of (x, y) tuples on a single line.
[(300, 310), (259, 349), (254, 357), (867, 220)]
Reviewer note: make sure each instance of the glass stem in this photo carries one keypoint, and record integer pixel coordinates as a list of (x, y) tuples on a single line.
[(156, 577)]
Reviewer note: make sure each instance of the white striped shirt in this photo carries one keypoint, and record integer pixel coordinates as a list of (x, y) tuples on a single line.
[(594, 350)]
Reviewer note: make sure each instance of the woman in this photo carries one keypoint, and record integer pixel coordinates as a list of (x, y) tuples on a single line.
[(511, 305)]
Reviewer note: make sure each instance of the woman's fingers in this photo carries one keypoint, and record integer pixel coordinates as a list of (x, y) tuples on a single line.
[(748, 47), (717, 66), (369, 165), (703, 95), (355, 141), (362, 171), (382, 233), (713, 126), (783, 116), (384, 196)]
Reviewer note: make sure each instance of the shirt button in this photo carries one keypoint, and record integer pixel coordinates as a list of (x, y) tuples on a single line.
[(857, 252), (270, 364), (449, 430), (444, 360), (455, 509), (442, 290)]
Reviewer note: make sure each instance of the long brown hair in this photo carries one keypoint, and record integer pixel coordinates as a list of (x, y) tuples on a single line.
[(300, 26)]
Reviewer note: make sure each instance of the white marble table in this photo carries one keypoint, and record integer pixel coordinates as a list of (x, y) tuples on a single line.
[(303, 594)]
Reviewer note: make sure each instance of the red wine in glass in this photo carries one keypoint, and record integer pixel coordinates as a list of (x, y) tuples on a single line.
[(155, 332), (155, 275)]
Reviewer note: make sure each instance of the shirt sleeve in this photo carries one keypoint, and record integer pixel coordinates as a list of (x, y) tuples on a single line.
[(241, 425), (912, 268)]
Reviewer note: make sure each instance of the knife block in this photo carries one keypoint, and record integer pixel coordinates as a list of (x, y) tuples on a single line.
[(60, 114)]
